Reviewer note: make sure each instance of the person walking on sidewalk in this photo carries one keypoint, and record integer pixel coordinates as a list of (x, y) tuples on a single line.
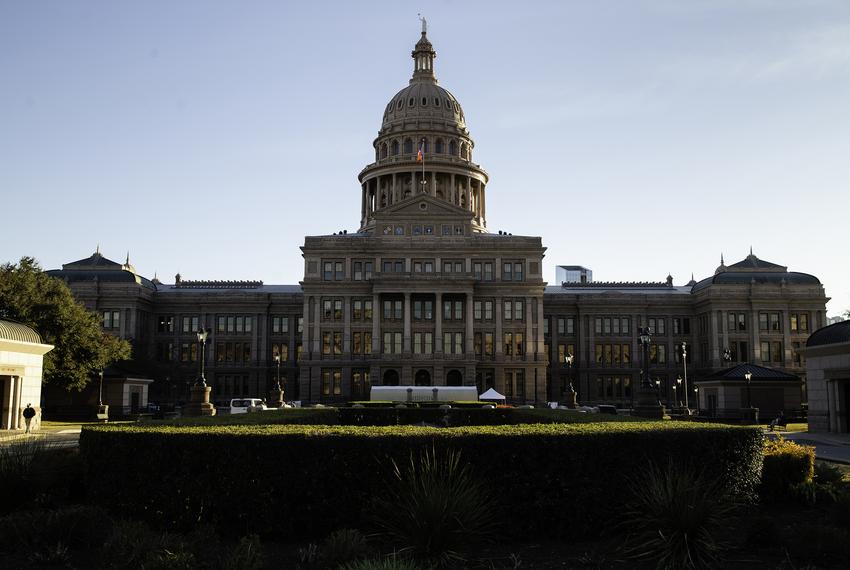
[(29, 414)]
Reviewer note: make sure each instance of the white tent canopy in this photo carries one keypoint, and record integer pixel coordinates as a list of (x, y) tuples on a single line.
[(491, 394)]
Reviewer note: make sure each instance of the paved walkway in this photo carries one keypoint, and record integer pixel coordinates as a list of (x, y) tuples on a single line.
[(828, 446)]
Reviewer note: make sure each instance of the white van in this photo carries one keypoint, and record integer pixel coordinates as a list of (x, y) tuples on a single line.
[(245, 405)]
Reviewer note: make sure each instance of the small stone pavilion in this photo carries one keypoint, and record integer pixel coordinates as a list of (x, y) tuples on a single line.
[(827, 356), (21, 357)]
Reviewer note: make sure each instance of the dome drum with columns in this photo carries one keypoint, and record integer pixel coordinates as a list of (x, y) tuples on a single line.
[(423, 116)]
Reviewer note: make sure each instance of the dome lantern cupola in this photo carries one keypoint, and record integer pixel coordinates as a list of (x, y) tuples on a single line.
[(423, 55)]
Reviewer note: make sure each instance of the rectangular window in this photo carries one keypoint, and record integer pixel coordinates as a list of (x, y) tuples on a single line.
[(240, 321), (508, 310), (326, 343), (388, 310), (357, 310), (562, 326), (221, 324), (367, 270), (165, 323), (507, 271), (488, 310), (231, 324), (478, 343), (488, 344), (509, 344), (367, 343), (776, 351), (477, 310), (429, 343), (597, 325), (339, 271), (606, 325), (357, 343), (774, 322), (627, 355), (518, 271), (762, 321), (328, 273), (447, 343), (520, 349), (417, 343), (793, 322), (327, 309), (488, 271), (337, 309), (367, 309), (765, 351), (518, 310), (300, 325), (337, 343), (624, 325), (326, 382), (458, 310), (358, 271), (458, 344), (477, 270), (804, 322)]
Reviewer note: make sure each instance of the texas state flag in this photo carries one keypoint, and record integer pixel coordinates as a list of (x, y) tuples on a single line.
[(419, 154)]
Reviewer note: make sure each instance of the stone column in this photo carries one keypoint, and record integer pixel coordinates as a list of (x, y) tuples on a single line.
[(305, 334), (499, 339), (713, 349), (317, 335), (433, 184), (469, 194), (346, 331), (438, 323), (541, 341), (453, 191), (406, 338), (396, 196), (363, 202), (376, 325), (754, 336), (470, 336), (483, 205), (529, 331)]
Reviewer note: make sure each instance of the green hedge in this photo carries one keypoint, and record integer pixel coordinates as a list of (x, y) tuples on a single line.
[(305, 481), (786, 464)]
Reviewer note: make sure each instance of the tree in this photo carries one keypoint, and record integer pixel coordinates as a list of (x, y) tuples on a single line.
[(82, 349)]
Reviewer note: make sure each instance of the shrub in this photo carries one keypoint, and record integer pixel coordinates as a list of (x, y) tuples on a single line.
[(247, 555), (80, 527), (132, 544), (827, 473), (675, 517), (434, 508), (32, 470), (786, 464), (382, 564), (341, 546), (304, 482)]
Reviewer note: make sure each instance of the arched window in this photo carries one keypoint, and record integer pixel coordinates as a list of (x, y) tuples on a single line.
[(424, 101), (391, 378), (454, 378), (438, 147), (410, 102), (408, 146), (384, 150), (453, 148), (395, 148), (437, 101), (464, 151), (426, 146)]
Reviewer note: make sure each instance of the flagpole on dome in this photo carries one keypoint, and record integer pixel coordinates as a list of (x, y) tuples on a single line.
[(420, 156)]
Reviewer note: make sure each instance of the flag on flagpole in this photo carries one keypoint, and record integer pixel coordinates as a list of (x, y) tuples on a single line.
[(419, 154)]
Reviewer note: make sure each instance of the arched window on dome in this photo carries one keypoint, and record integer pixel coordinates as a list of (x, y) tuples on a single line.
[(436, 101), (438, 146), (410, 102), (453, 148), (424, 101), (464, 151), (399, 104), (383, 150), (395, 148), (408, 146)]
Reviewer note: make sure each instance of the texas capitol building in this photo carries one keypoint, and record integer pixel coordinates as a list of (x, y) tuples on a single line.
[(423, 294)]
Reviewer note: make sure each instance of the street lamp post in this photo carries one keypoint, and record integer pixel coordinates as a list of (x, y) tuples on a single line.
[(748, 376), (276, 399), (685, 365), (100, 391), (202, 340), (199, 394), (648, 405), (749, 414), (571, 393), (679, 386)]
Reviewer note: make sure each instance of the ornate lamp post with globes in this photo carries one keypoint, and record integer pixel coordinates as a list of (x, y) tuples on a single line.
[(648, 406), (276, 399), (571, 392), (199, 394), (749, 415)]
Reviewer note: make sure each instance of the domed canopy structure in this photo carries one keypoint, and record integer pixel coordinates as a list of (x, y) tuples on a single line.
[(423, 147)]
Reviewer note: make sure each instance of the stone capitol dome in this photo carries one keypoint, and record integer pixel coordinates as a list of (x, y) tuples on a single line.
[(423, 146)]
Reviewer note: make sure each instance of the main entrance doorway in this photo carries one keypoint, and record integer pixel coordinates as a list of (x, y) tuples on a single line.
[(454, 378)]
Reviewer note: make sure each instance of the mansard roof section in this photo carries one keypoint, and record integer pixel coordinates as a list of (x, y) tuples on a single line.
[(832, 334), (421, 208), (95, 261), (739, 371), (99, 268), (757, 278), (753, 263)]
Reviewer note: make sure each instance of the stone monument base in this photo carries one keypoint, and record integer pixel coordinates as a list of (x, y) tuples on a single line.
[(199, 403)]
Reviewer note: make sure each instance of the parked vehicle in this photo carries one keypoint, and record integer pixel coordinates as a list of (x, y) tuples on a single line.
[(245, 405)]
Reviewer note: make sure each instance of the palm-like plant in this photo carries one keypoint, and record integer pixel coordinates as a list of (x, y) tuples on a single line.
[(675, 517), (434, 509)]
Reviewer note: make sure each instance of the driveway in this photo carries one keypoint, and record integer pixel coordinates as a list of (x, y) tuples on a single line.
[(828, 446)]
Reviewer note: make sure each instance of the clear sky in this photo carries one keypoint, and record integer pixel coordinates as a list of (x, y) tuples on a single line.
[(638, 138)]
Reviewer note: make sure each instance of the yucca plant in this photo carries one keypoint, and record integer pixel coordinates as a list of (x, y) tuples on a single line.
[(675, 517), (434, 508)]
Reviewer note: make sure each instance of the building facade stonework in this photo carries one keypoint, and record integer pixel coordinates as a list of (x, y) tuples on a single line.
[(423, 294)]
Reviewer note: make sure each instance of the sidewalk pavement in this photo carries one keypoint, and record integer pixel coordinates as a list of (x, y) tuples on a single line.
[(828, 446)]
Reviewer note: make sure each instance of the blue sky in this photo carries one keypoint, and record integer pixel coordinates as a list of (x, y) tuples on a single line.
[(637, 138)]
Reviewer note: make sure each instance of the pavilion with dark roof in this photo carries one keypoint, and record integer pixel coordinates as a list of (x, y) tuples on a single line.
[(827, 354), (724, 393)]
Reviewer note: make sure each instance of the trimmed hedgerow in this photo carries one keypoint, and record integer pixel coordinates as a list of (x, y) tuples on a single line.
[(786, 464), (306, 481)]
